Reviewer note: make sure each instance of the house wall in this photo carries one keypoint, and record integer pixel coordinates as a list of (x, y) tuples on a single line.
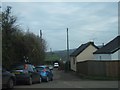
[(115, 56), (87, 54), (119, 55), (72, 65), (102, 56)]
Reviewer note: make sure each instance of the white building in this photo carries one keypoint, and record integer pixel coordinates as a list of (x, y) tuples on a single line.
[(111, 51)]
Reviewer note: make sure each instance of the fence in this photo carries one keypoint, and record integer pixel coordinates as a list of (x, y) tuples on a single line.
[(99, 68)]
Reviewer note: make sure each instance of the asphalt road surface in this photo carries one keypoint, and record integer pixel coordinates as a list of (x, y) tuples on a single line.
[(70, 80)]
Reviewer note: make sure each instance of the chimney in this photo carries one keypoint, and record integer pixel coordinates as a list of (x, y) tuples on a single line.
[(102, 44), (92, 42)]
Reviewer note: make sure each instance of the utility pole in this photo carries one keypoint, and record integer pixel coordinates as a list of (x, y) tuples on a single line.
[(41, 44), (51, 55), (41, 35), (67, 50), (41, 39)]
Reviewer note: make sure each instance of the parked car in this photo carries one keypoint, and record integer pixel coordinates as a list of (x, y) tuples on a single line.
[(56, 65), (45, 73), (26, 73), (8, 79)]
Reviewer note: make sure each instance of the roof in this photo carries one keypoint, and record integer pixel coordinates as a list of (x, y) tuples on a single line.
[(82, 48), (110, 47)]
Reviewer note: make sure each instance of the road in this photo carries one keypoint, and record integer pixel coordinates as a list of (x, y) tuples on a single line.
[(70, 80)]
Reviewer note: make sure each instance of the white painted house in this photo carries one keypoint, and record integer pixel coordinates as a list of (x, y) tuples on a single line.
[(82, 53), (111, 51)]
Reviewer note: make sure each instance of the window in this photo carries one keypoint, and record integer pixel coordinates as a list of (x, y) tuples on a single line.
[(100, 57), (39, 68), (30, 68), (21, 67)]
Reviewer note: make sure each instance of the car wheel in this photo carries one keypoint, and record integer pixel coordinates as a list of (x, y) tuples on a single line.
[(30, 81), (51, 79), (10, 83), (47, 79)]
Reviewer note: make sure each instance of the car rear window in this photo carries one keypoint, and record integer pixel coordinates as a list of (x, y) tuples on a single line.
[(39, 68), (21, 67)]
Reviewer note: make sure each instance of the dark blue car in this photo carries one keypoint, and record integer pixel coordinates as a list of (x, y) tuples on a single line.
[(26, 73), (45, 72), (8, 79)]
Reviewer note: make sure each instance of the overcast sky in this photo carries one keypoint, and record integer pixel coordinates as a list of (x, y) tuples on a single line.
[(86, 21)]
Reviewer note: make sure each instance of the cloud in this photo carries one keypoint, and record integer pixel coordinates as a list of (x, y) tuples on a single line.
[(60, 0), (85, 20)]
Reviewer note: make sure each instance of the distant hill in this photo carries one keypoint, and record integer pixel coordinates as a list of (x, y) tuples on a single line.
[(62, 54), (56, 55)]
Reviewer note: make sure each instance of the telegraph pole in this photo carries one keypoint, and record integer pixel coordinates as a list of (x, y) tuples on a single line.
[(41, 35), (41, 38), (41, 44), (67, 50)]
